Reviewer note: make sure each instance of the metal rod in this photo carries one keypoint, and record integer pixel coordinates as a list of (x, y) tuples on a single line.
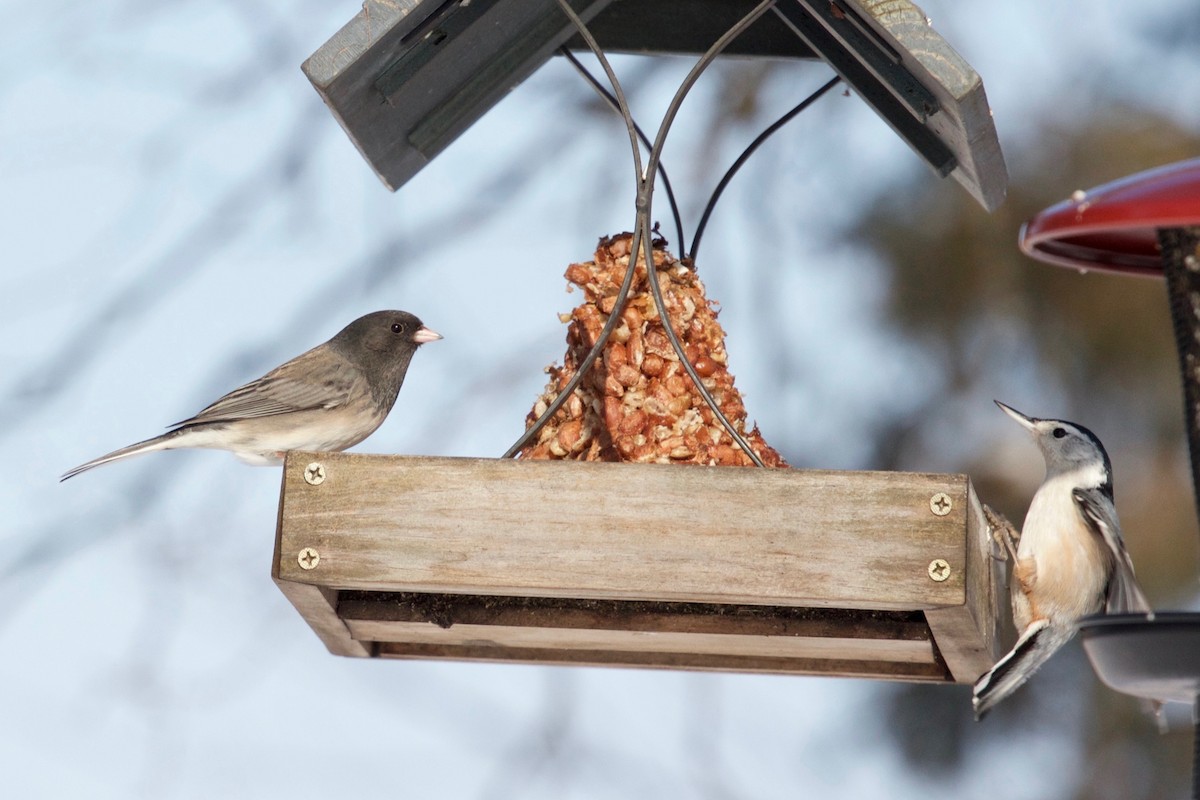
[(618, 92), (642, 235), (623, 292), (607, 96), (1196, 749), (645, 202), (586, 364), (1181, 264)]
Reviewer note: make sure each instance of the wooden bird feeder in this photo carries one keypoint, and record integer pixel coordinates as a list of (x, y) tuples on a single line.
[(867, 574), (576, 561)]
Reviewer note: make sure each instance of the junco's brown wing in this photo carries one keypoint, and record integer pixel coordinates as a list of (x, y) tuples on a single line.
[(320, 378), (329, 398)]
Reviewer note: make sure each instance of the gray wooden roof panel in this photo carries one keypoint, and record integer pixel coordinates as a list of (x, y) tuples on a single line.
[(407, 77)]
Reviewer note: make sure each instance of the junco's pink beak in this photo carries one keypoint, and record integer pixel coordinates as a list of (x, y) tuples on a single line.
[(424, 335)]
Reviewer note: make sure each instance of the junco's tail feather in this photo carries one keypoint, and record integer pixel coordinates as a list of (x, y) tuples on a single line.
[(329, 398), (163, 442)]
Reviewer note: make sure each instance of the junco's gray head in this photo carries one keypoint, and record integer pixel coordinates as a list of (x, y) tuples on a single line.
[(381, 345), (330, 398)]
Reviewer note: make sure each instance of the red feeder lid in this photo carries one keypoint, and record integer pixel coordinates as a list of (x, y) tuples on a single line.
[(1114, 227)]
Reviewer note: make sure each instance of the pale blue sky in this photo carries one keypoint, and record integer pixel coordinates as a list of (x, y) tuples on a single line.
[(181, 213)]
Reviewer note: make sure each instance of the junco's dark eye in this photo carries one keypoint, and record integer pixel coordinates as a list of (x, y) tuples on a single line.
[(397, 327), (1060, 433)]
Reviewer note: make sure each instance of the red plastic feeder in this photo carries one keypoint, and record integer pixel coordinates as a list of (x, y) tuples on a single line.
[(1146, 224), (1114, 227)]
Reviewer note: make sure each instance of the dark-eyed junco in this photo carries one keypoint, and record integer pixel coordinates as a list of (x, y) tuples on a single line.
[(330, 398)]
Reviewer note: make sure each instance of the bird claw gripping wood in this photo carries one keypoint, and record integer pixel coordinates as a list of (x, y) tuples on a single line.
[(1004, 534)]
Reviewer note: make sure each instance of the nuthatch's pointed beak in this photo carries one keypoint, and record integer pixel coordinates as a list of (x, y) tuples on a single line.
[(1025, 422)]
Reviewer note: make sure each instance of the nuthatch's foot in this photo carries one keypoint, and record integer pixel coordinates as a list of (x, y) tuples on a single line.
[(1004, 534)]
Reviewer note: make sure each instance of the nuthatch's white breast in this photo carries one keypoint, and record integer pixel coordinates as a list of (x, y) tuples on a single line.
[(1071, 560)]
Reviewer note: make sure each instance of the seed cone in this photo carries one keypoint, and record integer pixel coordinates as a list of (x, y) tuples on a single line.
[(638, 403)]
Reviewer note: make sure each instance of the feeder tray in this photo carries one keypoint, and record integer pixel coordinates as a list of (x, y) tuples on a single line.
[(867, 574), (1156, 658)]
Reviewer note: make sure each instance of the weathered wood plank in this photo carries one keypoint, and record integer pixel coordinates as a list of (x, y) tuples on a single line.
[(446, 610), (969, 635), (318, 605), (621, 531), (719, 644), (638, 627), (963, 120), (845, 668), (787, 571)]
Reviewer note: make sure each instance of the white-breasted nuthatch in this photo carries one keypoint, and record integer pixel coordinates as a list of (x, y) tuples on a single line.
[(1071, 560)]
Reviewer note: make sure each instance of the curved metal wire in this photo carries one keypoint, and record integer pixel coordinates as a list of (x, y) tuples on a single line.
[(745, 156), (585, 365), (645, 202), (642, 234), (612, 101), (627, 282)]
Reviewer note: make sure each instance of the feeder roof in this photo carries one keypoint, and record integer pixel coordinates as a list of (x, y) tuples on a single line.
[(405, 78), (1114, 227)]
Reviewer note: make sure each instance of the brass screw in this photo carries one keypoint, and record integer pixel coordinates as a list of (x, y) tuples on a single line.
[(314, 473), (939, 569), (941, 504), (309, 558)]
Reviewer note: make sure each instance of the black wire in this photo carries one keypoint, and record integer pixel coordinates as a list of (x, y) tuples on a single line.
[(749, 151), (612, 101)]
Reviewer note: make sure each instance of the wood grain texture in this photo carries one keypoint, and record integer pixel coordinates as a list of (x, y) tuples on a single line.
[(586, 639), (784, 571), (318, 606), (843, 668), (969, 635), (635, 627), (964, 119), (621, 531), (447, 610)]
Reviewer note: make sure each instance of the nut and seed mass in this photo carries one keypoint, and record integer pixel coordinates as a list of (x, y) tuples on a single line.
[(638, 404)]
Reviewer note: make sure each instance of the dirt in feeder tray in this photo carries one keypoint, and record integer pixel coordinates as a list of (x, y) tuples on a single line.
[(638, 403)]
